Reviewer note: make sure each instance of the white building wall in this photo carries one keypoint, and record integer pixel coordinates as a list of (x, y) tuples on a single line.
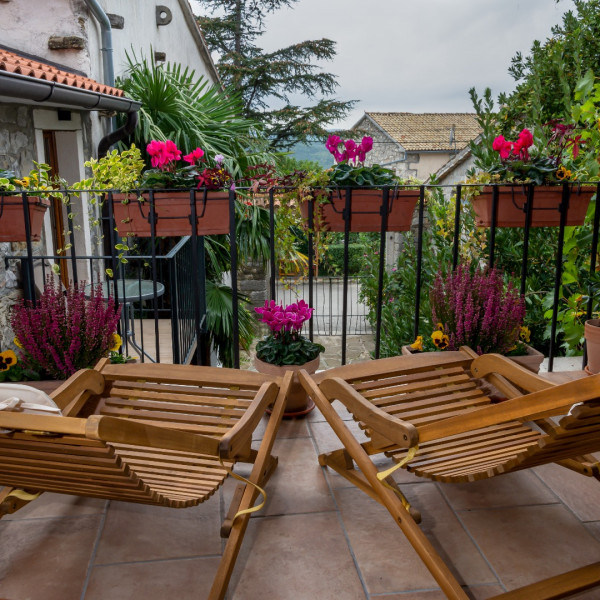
[(177, 40)]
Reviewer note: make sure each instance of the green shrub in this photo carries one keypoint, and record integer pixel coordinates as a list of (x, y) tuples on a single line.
[(335, 258)]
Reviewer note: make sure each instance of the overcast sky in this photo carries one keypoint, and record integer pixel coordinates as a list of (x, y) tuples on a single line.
[(417, 55)]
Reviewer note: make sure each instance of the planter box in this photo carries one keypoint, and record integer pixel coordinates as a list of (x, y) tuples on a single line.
[(12, 218), (366, 210), (173, 212), (531, 361), (546, 200), (592, 344)]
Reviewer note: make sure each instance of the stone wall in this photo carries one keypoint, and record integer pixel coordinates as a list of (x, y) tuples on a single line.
[(253, 283), (17, 152)]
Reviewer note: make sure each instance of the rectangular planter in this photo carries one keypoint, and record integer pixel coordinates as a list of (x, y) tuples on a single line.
[(12, 218), (531, 361), (366, 210), (546, 201), (173, 212)]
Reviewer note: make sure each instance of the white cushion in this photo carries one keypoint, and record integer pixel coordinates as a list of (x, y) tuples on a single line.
[(15, 397)]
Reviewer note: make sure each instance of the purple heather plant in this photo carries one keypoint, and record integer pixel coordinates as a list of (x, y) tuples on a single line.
[(477, 310), (64, 332)]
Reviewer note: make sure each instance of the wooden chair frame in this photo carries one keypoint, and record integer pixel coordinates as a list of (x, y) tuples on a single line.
[(156, 434), (450, 388)]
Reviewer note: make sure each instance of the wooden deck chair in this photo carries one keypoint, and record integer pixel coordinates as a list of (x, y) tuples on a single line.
[(157, 434), (431, 414)]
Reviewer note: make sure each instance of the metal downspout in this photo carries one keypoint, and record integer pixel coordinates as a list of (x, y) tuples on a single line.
[(106, 33)]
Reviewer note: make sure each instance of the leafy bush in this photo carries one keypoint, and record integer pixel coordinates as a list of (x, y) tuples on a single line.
[(335, 258)]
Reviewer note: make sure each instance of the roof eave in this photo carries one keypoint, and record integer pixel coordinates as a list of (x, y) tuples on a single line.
[(23, 87)]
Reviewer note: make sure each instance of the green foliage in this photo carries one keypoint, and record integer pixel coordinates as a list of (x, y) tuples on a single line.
[(344, 174), (334, 258), (115, 171), (187, 109), (267, 78), (287, 348), (219, 321), (548, 75)]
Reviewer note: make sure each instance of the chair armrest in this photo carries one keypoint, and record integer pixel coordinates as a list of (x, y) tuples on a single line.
[(123, 431), (555, 399), (488, 364), (239, 436), (53, 425), (395, 430), (85, 380)]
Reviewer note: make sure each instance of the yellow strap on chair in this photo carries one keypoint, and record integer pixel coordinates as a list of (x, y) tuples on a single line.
[(23, 495), (383, 475), (248, 482)]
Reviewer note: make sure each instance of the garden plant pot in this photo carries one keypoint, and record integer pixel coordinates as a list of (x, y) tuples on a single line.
[(12, 218), (299, 403), (531, 361), (366, 207), (546, 200), (173, 211), (592, 344)]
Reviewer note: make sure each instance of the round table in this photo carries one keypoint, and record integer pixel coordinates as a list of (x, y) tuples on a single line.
[(129, 291)]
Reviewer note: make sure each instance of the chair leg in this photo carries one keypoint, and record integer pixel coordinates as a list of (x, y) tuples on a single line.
[(423, 547), (262, 469), (341, 462)]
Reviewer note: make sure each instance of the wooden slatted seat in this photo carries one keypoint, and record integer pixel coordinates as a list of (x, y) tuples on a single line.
[(167, 435), (432, 414)]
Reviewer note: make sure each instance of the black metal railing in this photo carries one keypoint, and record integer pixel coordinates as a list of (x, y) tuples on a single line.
[(182, 298)]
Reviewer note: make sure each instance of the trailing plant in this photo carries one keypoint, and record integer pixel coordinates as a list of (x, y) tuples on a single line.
[(285, 345), (63, 333)]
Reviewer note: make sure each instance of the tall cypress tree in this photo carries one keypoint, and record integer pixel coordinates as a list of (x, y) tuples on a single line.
[(264, 79)]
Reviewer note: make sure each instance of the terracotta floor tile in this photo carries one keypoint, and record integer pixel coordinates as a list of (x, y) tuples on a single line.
[(526, 544), (46, 559), (289, 428), (327, 440), (58, 505), (514, 489), (136, 532), (298, 557), (156, 580), (481, 592), (581, 494), (298, 484), (386, 558)]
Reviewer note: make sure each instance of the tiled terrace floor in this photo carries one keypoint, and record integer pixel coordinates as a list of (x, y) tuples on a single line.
[(317, 537)]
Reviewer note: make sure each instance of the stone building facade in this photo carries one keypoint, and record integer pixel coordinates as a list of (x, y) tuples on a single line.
[(415, 145)]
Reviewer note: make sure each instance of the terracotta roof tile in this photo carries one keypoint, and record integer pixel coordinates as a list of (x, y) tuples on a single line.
[(428, 131), (14, 63)]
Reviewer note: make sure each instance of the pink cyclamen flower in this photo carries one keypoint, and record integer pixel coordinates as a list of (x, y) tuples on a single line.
[(219, 158), (367, 144), (526, 138), (194, 156), (503, 146)]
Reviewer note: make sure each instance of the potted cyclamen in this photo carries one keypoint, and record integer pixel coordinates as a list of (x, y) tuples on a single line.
[(197, 185), (174, 208), (476, 309), (285, 349), (544, 165), (364, 183)]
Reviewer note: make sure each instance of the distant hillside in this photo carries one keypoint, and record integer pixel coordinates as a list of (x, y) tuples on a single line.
[(313, 151)]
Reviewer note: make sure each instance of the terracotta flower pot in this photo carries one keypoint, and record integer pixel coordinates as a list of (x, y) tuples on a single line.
[(12, 218), (366, 207), (532, 360), (173, 211), (298, 402), (546, 200), (592, 344)]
